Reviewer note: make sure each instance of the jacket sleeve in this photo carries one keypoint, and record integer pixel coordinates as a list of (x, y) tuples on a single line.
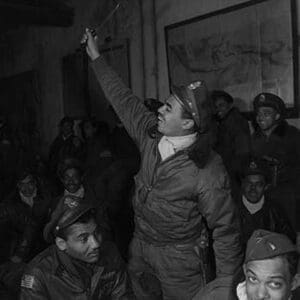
[(32, 286), (281, 224), (131, 110), (23, 223), (216, 205), (121, 287)]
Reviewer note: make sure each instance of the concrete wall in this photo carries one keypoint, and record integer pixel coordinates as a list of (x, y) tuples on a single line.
[(172, 11), (42, 49), (142, 21)]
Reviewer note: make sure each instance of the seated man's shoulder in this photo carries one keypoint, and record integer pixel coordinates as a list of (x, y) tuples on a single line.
[(214, 168), (43, 261), (292, 130), (35, 274)]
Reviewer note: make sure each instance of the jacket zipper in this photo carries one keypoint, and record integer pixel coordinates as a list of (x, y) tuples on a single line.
[(159, 163)]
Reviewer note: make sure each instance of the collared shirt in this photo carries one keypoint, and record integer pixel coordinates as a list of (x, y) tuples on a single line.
[(28, 200), (254, 207), (169, 145), (79, 193)]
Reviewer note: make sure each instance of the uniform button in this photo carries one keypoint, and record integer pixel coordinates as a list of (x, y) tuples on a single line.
[(149, 188)]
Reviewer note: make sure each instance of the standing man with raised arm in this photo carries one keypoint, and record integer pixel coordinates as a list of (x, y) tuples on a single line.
[(181, 183)]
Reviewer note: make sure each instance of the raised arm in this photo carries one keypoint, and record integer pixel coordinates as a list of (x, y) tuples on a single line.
[(131, 111)]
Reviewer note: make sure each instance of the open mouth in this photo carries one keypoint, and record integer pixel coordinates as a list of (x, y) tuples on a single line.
[(159, 119)]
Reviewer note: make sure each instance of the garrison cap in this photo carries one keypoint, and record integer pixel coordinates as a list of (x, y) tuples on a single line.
[(269, 100), (265, 244), (255, 168), (68, 210), (194, 98)]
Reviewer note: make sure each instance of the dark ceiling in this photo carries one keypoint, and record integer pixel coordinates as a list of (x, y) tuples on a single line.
[(14, 13)]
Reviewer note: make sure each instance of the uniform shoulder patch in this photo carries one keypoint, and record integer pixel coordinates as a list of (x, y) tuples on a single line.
[(27, 281)]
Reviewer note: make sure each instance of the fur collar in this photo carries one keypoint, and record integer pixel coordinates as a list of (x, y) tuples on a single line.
[(199, 152), (280, 130)]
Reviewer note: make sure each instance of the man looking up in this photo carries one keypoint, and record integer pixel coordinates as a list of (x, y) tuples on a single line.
[(181, 182), (270, 268)]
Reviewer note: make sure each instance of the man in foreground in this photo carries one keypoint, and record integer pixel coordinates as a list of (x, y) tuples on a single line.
[(181, 182), (270, 268), (78, 265)]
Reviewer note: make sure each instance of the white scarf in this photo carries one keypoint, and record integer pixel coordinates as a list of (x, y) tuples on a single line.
[(28, 200), (254, 207), (169, 145), (241, 291), (79, 193)]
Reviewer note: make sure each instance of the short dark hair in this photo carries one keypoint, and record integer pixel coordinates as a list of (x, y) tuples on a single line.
[(84, 219), (292, 260), (217, 94), (67, 164), (66, 119)]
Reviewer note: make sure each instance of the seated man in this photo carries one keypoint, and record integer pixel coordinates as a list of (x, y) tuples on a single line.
[(255, 208), (66, 144), (78, 265), (277, 145), (23, 215), (270, 268), (71, 175)]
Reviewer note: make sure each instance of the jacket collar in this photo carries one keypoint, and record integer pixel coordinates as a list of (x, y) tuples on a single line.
[(64, 265), (200, 151), (280, 130)]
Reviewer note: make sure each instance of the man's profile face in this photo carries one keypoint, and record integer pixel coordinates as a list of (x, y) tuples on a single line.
[(170, 118), (254, 187), (268, 279), (266, 117), (222, 107), (83, 241), (72, 180)]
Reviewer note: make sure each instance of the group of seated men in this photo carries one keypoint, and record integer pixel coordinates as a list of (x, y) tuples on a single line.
[(190, 237)]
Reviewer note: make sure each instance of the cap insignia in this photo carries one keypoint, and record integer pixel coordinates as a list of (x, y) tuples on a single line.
[(258, 240), (272, 246), (262, 98)]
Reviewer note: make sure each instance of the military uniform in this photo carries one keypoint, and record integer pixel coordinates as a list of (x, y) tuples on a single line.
[(173, 196), (265, 245), (280, 153), (233, 142), (54, 274)]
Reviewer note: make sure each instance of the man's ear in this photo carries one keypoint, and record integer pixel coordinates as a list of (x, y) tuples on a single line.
[(188, 124), (244, 269), (277, 117), (60, 243), (267, 186), (296, 282)]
